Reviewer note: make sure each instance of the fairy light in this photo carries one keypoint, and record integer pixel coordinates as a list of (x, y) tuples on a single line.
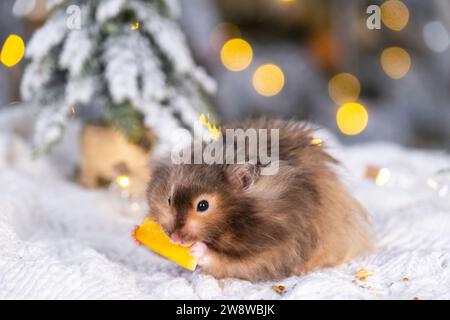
[(123, 181), (268, 80), (395, 62), (380, 176), (440, 182), (12, 51), (212, 128), (394, 14), (383, 176), (135, 25), (236, 54), (352, 118), (343, 88), (73, 111), (316, 141)]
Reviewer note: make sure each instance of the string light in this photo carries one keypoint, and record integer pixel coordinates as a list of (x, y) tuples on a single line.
[(395, 62), (12, 50), (268, 80), (440, 182), (135, 25), (127, 185), (123, 181), (394, 14), (236, 54), (73, 111), (352, 118), (316, 141), (343, 88), (383, 177), (214, 132)]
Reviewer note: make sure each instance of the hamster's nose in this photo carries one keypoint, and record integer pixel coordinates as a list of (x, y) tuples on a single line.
[(178, 238), (175, 237)]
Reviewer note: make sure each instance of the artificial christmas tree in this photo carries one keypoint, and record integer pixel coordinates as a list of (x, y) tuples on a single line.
[(125, 65)]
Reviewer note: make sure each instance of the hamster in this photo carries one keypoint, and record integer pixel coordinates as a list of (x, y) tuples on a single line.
[(242, 224)]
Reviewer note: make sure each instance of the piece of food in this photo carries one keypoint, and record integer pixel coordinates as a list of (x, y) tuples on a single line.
[(362, 274), (278, 288), (150, 234)]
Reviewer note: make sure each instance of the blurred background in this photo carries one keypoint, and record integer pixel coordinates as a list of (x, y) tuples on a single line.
[(316, 60)]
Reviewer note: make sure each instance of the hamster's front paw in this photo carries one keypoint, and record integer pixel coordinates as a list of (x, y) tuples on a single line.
[(199, 250)]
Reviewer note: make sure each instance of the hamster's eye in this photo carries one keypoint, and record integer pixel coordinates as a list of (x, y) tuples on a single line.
[(202, 206), (169, 200)]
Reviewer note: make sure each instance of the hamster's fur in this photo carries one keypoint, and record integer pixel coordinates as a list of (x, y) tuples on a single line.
[(262, 227)]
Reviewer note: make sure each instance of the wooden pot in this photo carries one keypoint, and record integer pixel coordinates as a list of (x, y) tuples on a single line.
[(106, 154)]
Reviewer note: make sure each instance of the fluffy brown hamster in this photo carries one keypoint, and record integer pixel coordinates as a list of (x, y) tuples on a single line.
[(246, 225)]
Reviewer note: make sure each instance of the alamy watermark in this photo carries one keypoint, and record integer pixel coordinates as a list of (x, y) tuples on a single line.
[(73, 21), (236, 146), (74, 17), (374, 19)]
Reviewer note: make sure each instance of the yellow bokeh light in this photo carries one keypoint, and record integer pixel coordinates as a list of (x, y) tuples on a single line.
[(396, 62), (352, 118), (236, 54), (316, 141), (343, 88), (123, 181), (214, 131), (12, 50), (383, 177), (394, 14), (268, 80), (135, 25)]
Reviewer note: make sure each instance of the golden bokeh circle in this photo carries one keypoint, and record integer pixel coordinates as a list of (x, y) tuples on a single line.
[(344, 87), (268, 80), (394, 14), (236, 54), (352, 118), (395, 62), (12, 50)]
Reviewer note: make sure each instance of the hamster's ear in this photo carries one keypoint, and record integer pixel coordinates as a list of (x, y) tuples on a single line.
[(242, 176), (159, 175)]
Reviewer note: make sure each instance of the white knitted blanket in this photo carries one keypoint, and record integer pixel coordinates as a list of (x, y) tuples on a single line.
[(60, 241)]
